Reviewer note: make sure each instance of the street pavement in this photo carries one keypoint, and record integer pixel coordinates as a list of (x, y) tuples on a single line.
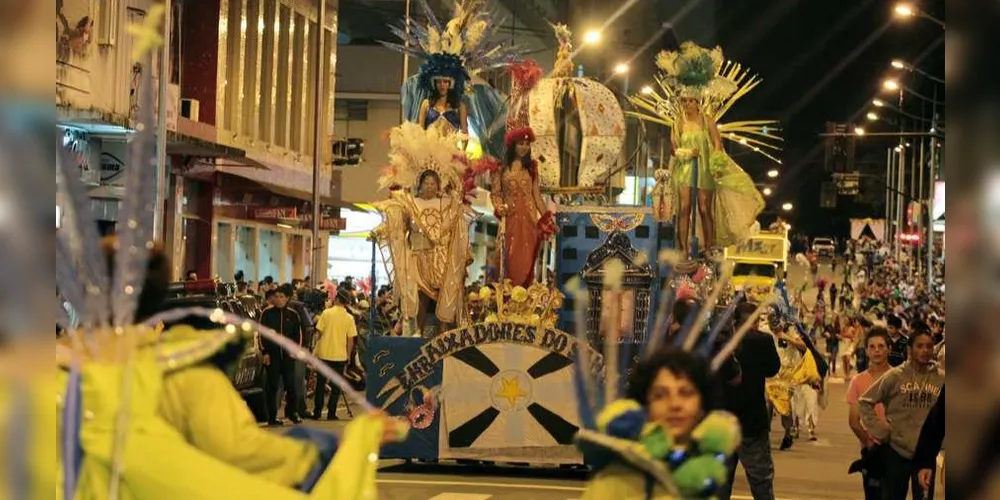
[(808, 471)]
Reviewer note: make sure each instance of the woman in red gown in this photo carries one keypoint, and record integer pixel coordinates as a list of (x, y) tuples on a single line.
[(517, 200)]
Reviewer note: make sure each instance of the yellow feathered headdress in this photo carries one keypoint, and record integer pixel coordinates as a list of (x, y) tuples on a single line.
[(706, 75)]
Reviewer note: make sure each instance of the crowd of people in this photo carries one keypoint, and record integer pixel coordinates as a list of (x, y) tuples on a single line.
[(882, 331)]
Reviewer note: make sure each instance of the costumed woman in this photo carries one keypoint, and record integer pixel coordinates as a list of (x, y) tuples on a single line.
[(454, 52), (698, 86), (426, 224), (517, 201), (443, 78)]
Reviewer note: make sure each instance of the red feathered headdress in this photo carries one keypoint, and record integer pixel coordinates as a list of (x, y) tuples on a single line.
[(519, 134), (525, 74)]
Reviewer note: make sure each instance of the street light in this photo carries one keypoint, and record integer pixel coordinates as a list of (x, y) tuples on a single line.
[(872, 116), (772, 174), (767, 191), (621, 68), (646, 90), (787, 207), (904, 10), (878, 103), (890, 84), (859, 131), (592, 37), (901, 64)]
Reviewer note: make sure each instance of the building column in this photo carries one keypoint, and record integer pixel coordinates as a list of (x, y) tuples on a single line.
[(298, 256), (173, 227), (282, 261), (255, 253)]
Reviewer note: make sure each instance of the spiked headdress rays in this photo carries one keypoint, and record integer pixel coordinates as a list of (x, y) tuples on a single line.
[(718, 83), (465, 45)]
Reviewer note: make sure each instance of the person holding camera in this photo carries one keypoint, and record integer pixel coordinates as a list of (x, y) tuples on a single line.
[(336, 332)]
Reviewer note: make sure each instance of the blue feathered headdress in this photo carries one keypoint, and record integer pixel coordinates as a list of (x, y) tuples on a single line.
[(468, 40), (447, 66)]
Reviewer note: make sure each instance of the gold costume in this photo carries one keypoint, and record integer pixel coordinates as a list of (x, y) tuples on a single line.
[(428, 239)]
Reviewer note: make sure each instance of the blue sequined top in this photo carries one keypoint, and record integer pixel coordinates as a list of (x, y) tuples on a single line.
[(450, 115)]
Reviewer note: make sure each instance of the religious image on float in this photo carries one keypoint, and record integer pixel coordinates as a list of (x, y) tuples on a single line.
[(695, 88)]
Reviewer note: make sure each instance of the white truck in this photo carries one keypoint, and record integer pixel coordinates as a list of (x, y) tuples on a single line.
[(824, 248)]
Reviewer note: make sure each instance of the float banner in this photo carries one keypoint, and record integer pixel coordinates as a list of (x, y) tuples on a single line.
[(452, 342)]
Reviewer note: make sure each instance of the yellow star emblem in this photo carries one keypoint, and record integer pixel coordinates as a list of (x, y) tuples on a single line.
[(510, 389)]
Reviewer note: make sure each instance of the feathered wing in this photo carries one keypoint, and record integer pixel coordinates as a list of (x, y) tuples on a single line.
[(82, 259), (138, 209), (488, 115)]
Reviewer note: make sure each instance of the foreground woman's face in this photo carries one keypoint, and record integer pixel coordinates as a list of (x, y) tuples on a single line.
[(674, 402)]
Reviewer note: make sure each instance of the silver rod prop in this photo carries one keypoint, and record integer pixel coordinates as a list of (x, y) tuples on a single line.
[(930, 215), (317, 260), (887, 227), (406, 64), (161, 128)]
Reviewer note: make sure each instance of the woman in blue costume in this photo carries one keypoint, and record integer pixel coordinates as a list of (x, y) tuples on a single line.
[(454, 52), (445, 109)]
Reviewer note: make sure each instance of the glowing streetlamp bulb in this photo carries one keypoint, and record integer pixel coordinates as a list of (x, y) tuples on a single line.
[(859, 131), (621, 68), (898, 149), (878, 103), (646, 90), (787, 207), (772, 174), (904, 10), (896, 63), (871, 116), (767, 191), (592, 37), (890, 84)]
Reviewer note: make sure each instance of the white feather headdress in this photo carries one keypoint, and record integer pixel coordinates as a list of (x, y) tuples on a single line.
[(414, 150)]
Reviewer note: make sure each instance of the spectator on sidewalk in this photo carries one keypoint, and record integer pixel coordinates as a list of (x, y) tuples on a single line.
[(898, 342), (295, 304), (336, 334), (877, 351), (908, 392), (279, 365)]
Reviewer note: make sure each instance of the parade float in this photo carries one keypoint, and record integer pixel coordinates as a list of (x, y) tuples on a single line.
[(498, 385)]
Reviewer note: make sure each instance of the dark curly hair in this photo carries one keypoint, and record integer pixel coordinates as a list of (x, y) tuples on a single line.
[(681, 364)]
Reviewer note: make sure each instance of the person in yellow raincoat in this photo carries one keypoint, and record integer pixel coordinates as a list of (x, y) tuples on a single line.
[(188, 433)]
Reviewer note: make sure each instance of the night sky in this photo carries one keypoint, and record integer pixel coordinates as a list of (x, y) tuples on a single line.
[(823, 60)]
